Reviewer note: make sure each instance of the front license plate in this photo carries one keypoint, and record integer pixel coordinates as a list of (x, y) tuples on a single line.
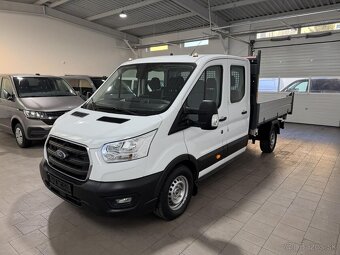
[(63, 186)]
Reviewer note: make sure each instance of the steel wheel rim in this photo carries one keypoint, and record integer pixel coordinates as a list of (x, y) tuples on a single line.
[(178, 192), (19, 136), (272, 139)]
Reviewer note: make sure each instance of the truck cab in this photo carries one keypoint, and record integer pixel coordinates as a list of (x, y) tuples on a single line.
[(145, 149)]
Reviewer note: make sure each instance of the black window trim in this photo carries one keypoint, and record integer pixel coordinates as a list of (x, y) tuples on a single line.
[(244, 75)]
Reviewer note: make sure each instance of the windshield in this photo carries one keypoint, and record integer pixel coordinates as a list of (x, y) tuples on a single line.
[(142, 89), (42, 87)]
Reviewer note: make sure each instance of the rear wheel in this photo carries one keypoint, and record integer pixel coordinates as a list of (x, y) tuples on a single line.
[(175, 194), (268, 144), (20, 136)]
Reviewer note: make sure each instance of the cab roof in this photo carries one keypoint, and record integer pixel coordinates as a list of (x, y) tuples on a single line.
[(182, 59)]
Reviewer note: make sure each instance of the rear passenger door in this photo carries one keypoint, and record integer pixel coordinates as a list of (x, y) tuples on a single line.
[(206, 145), (238, 105)]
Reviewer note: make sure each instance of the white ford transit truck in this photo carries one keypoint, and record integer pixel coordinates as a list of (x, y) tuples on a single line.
[(145, 149)]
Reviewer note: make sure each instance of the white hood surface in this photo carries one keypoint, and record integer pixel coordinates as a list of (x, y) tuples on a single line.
[(90, 131)]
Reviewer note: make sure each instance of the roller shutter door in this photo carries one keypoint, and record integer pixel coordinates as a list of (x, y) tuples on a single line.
[(300, 59)]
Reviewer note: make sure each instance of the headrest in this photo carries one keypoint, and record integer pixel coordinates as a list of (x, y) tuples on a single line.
[(155, 84), (24, 83), (211, 83)]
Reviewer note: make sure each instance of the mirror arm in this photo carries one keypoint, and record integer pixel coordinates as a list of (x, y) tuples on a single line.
[(188, 110)]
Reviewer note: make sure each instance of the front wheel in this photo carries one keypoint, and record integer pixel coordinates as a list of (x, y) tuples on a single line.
[(175, 194), (20, 136), (268, 144)]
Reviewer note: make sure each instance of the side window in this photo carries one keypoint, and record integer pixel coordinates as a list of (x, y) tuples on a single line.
[(74, 83), (6, 85), (237, 83), (302, 86), (327, 85), (298, 86), (208, 87), (84, 84)]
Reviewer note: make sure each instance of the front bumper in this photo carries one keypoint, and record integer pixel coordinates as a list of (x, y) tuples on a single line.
[(38, 133), (101, 196)]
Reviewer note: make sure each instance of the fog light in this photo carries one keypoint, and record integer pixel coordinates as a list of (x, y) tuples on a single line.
[(124, 200)]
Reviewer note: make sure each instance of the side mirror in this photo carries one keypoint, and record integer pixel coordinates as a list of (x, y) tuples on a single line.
[(8, 96), (208, 115)]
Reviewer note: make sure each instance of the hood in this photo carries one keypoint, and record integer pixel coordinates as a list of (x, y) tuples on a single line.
[(94, 129), (51, 104)]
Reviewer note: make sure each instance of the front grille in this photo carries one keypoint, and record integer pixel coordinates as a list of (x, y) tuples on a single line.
[(52, 117), (68, 158)]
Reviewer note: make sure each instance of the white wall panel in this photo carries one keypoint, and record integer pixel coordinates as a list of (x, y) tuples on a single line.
[(34, 44)]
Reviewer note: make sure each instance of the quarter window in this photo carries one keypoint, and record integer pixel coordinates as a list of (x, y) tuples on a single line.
[(237, 83)]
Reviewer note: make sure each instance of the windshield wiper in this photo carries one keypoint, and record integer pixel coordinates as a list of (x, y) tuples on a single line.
[(111, 109), (123, 111)]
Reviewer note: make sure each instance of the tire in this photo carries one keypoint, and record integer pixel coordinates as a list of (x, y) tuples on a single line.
[(20, 136), (268, 144), (175, 194)]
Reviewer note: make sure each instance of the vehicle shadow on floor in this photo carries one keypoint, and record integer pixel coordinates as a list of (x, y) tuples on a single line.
[(8, 144), (204, 229)]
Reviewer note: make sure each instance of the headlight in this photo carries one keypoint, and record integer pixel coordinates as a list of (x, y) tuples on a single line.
[(35, 114), (130, 149)]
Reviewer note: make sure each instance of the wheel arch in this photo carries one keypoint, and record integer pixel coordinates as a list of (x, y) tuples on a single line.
[(265, 128), (185, 159), (14, 122)]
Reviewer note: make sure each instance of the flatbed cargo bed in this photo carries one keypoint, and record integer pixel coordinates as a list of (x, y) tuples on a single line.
[(270, 110)]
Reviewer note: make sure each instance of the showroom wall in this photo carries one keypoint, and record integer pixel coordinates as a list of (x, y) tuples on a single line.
[(36, 44)]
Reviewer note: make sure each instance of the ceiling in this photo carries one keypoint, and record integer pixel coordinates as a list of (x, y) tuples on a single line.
[(152, 17)]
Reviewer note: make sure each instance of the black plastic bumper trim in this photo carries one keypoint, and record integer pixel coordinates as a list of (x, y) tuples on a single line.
[(98, 196)]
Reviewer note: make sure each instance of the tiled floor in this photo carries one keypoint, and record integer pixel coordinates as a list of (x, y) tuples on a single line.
[(287, 202)]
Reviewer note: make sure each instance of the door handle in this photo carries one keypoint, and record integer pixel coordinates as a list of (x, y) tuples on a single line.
[(223, 119), (244, 112)]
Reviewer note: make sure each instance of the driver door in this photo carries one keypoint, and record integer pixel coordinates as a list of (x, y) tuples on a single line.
[(207, 145)]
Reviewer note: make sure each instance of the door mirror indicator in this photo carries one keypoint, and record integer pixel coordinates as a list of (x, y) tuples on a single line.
[(208, 115)]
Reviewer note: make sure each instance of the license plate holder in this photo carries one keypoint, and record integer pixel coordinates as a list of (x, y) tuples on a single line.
[(61, 185)]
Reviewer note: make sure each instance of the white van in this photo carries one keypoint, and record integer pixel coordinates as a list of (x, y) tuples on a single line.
[(142, 150)]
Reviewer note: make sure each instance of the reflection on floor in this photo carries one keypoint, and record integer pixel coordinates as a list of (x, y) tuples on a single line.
[(287, 202)]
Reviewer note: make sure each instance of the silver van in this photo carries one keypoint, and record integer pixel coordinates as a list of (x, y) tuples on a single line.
[(84, 85), (30, 104)]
